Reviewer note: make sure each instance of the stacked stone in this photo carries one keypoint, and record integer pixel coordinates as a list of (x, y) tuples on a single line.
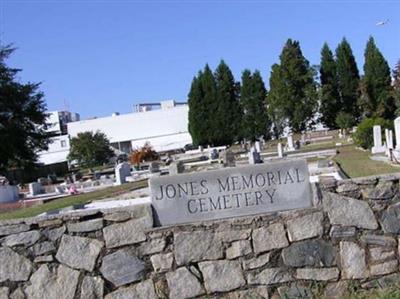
[(352, 235)]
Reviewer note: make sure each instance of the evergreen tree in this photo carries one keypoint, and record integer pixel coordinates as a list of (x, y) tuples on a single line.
[(292, 97), (377, 99), (396, 87), (22, 118), (227, 117), (348, 79), (197, 112), (329, 94), (253, 100), (209, 102)]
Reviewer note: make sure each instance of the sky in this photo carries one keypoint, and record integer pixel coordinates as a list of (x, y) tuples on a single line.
[(97, 57)]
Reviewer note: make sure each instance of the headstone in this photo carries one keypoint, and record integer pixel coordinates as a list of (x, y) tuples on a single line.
[(280, 150), (176, 167), (251, 156), (397, 132), (228, 158), (214, 154), (378, 147), (290, 145), (35, 188), (390, 140), (258, 146), (8, 193), (201, 148), (154, 167), (303, 139), (122, 170), (231, 192)]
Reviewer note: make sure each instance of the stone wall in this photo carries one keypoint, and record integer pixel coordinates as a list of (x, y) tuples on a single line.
[(350, 237)]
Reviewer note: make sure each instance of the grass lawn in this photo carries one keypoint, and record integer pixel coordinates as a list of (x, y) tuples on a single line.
[(73, 200), (356, 163)]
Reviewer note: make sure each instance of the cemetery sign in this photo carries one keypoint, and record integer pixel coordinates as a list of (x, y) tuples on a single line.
[(231, 192)]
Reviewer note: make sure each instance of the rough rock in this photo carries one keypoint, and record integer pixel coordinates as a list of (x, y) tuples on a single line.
[(383, 268), (43, 248), (341, 232), (55, 233), (305, 227), (183, 284), (256, 262), (269, 276), (372, 239), (260, 292), (336, 290), (383, 282), (85, 226), (377, 254), (49, 222), (321, 274), (162, 262), (125, 233), (390, 219), (196, 246), (13, 229), (44, 259), (122, 267), (382, 191), (352, 259), (4, 291), (314, 253), (222, 276), (45, 284), (270, 237), (233, 235), (153, 246), (294, 292), (142, 290), (17, 294), (348, 211), (349, 189), (117, 216), (92, 287), (14, 267), (26, 238), (79, 252), (238, 248)]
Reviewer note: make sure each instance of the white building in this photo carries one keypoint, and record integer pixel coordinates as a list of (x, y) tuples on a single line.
[(165, 129), (59, 142)]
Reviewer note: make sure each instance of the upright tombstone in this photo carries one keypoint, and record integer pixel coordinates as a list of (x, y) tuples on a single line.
[(8, 193), (378, 147), (231, 192), (176, 167), (390, 141), (35, 188), (290, 145), (228, 158), (251, 156), (303, 139), (122, 171), (258, 146), (280, 150), (154, 167), (397, 132)]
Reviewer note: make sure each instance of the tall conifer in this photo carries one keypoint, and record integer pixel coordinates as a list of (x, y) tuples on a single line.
[(348, 79), (329, 94), (377, 99)]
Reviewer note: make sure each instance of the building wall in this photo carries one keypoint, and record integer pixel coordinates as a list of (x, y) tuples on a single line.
[(57, 152), (164, 128), (349, 238)]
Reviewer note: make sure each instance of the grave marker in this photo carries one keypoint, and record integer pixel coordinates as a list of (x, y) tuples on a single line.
[(231, 192)]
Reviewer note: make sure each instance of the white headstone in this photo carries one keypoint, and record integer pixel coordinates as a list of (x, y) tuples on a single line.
[(122, 171), (280, 150), (378, 147), (390, 141), (290, 145), (35, 188), (397, 132), (258, 146), (251, 156)]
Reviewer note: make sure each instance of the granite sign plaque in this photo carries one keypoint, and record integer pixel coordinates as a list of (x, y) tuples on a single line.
[(230, 192)]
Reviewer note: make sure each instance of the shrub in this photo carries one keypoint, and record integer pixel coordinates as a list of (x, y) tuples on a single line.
[(145, 153), (364, 136)]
